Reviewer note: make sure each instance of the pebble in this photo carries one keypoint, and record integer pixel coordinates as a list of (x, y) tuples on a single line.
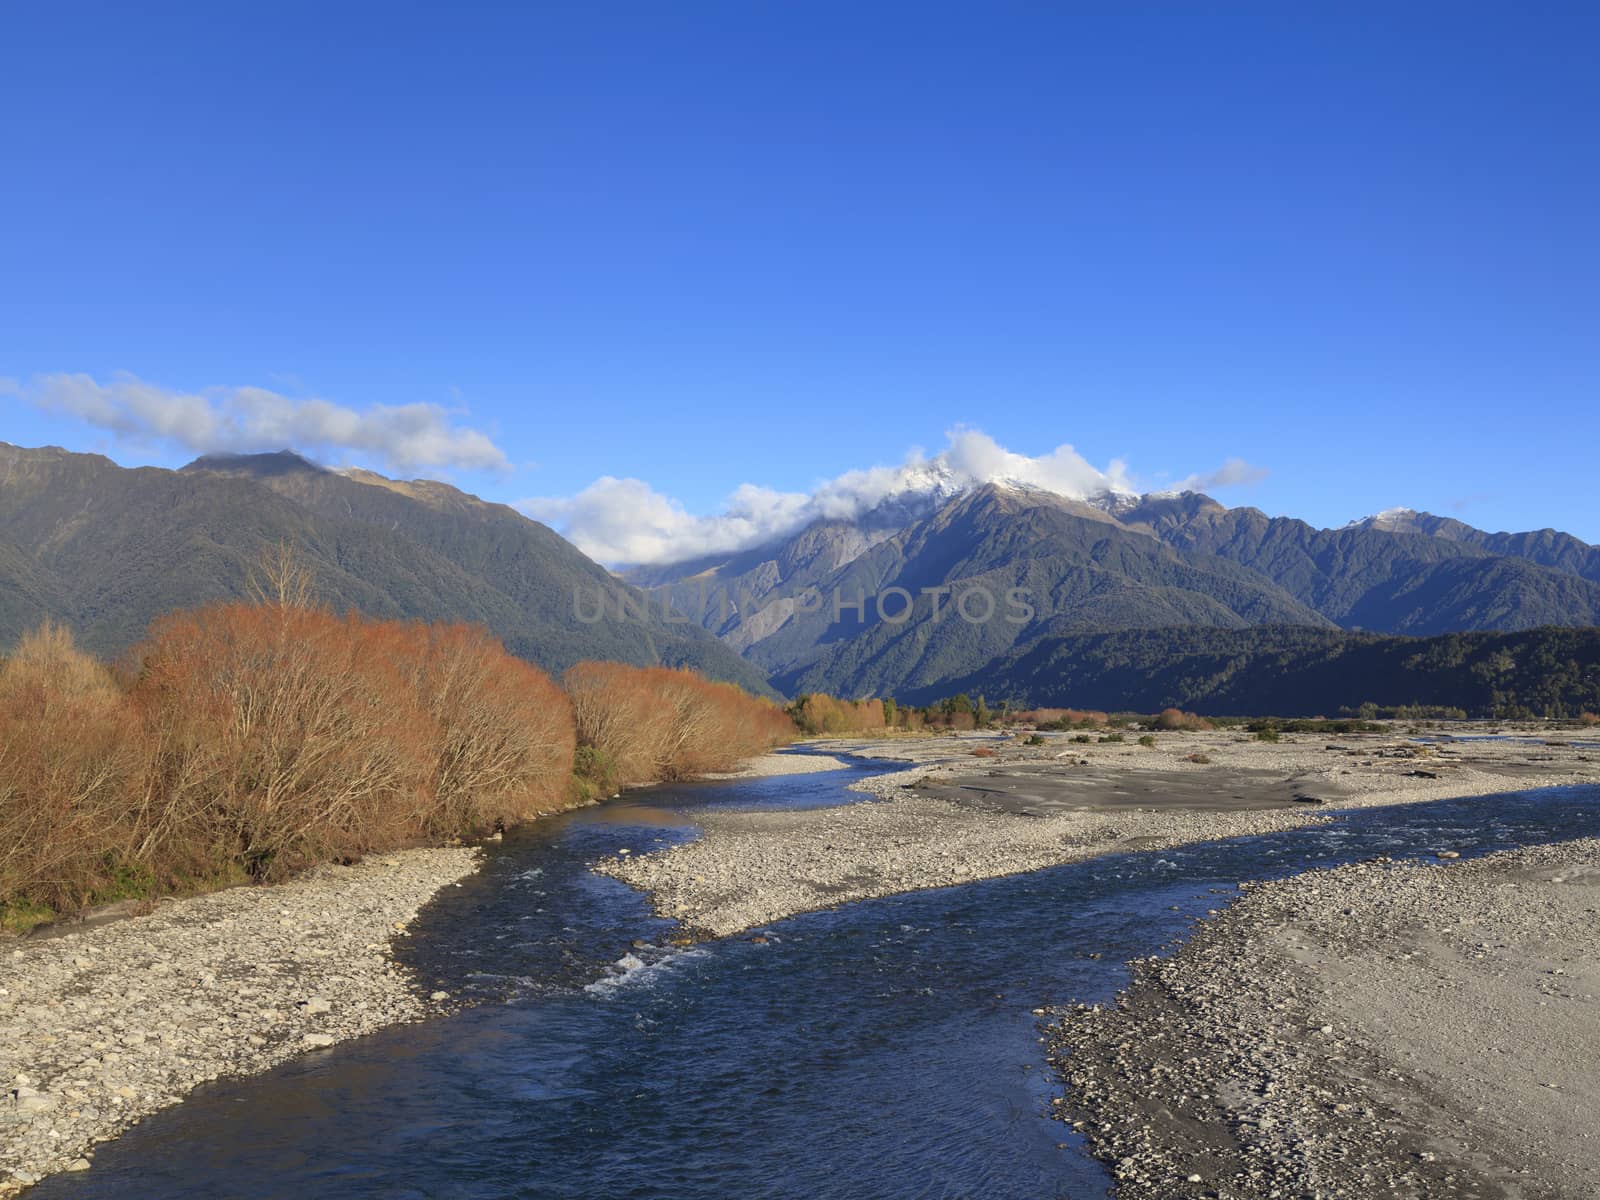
[(748, 870), (102, 1027), (1146, 1076)]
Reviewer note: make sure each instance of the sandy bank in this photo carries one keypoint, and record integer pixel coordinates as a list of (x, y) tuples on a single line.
[(1370, 1030), (101, 1027), (952, 818)]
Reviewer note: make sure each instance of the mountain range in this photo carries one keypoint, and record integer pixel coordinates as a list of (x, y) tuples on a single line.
[(1108, 563), (999, 587), (107, 549)]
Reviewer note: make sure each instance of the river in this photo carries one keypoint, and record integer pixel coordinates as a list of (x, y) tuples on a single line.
[(884, 1050)]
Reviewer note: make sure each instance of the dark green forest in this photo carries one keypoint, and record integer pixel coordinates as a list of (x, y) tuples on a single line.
[(1293, 671)]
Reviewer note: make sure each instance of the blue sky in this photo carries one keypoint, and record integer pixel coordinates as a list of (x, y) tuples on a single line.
[(703, 245)]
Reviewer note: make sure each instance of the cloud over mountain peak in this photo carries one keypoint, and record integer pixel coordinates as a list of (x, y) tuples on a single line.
[(627, 521)]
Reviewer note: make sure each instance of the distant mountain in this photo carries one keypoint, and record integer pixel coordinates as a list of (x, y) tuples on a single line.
[(1111, 562), (1080, 568), (1546, 547), (107, 549), (1398, 572), (892, 602)]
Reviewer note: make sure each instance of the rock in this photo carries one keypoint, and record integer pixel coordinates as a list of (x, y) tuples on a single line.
[(26, 1100), (199, 988), (438, 996)]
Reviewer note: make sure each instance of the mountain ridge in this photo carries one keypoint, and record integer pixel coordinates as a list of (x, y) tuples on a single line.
[(1117, 561), (107, 549)]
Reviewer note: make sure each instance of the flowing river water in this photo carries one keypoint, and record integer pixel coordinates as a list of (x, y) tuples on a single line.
[(883, 1050)]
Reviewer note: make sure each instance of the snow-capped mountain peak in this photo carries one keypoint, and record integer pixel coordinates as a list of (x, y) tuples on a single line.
[(1389, 519), (1115, 501)]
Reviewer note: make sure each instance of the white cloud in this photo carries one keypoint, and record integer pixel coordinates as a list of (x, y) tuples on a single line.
[(1233, 473), (236, 420), (628, 521)]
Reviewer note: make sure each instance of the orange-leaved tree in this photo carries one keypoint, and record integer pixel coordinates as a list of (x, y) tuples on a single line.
[(641, 724), (72, 759)]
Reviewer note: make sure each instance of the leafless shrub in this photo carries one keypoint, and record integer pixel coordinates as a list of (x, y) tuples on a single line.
[(1172, 718)]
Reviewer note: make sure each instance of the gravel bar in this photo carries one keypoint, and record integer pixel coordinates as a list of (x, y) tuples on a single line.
[(105, 1025), (952, 818), (1375, 1029)]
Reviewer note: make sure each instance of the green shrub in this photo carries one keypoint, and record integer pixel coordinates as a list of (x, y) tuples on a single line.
[(594, 771), (1147, 740), (1316, 725), (22, 914)]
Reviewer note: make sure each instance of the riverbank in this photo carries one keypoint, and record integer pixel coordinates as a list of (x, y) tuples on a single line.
[(103, 1024), (974, 807), (101, 1027), (1420, 1030)]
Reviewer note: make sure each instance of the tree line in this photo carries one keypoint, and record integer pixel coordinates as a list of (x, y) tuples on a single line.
[(246, 741), (818, 714)]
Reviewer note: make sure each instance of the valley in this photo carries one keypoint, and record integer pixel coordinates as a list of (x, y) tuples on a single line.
[(799, 602)]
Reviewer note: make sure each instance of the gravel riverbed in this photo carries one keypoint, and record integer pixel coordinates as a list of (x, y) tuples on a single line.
[(103, 1026), (1376, 1029), (952, 818)]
